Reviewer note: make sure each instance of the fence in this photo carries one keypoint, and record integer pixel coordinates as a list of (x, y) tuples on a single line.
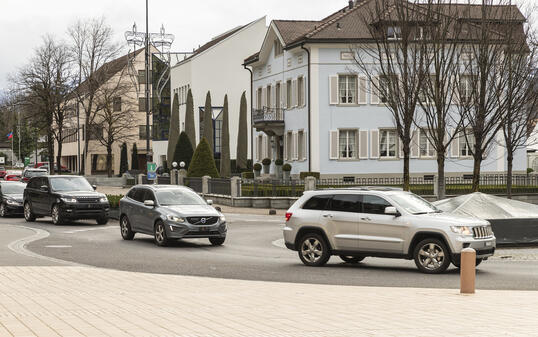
[(221, 186), (194, 183), (273, 188)]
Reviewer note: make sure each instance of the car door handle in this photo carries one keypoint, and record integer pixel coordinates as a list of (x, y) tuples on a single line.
[(327, 215), (366, 219)]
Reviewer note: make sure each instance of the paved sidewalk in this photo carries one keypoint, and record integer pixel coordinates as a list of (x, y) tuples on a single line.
[(80, 301)]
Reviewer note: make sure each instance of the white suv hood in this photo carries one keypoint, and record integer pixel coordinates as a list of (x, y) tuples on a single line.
[(453, 219)]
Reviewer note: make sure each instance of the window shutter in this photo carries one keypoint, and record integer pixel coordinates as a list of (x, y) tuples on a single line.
[(333, 89), (415, 144), (264, 95), (363, 144), (374, 91), (305, 141), (333, 144), (362, 90), (374, 143), (273, 96), (400, 146), (455, 146), (294, 93), (283, 95), (258, 154), (295, 146), (285, 141), (305, 93)]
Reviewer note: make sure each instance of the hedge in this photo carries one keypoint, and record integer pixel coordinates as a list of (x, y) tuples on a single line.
[(114, 200)]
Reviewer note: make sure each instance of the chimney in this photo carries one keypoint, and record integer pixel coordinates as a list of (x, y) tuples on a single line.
[(350, 4)]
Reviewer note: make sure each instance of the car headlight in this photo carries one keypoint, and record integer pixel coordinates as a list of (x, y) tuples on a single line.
[(12, 202), (222, 218), (68, 200), (462, 230), (175, 218), (103, 199)]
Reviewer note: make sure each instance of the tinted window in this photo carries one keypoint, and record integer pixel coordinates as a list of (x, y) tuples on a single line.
[(149, 196), (345, 203), (131, 193), (318, 202), (374, 205), (139, 195)]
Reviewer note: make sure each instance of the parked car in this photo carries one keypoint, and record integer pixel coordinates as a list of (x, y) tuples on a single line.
[(170, 213), (2, 172), (13, 176), (11, 198), (32, 172), (64, 198), (382, 222), (45, 165)]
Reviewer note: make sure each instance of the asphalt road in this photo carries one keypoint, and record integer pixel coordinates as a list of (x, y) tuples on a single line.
[(253, 251)]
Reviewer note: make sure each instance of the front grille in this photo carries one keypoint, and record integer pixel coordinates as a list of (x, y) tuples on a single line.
[(87, 200), (203, 220), (482, 232)]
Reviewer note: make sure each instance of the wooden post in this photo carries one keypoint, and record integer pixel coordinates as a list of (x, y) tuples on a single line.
[(467, 271)]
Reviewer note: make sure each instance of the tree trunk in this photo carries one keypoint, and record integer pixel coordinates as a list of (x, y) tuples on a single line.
[(406, 185), (50, 146), (59, 157), (476, 171), (441, 187), (510, 162), (109, 161)]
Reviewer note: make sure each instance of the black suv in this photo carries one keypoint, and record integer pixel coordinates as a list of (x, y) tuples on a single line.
[(64, 198)]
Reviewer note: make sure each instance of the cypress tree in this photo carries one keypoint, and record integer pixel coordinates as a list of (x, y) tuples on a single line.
[(208, 121), (190, 129), (242, 136), (203, 163), (174, 129), (183, 151), (225, 165), (134, 158), (124, 164)]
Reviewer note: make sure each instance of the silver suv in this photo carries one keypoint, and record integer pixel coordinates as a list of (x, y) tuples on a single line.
[(382, 222)]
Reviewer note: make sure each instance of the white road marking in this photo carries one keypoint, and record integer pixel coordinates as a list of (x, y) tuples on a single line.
[(279, 243), (89, 229), (58, 246)]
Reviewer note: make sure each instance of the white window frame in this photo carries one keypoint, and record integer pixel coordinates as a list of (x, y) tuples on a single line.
[(300, 91), (396, 33), (347, 90), (259, 96), (389, 132), (430, 151), (465, 149), (300, 145), (354, 133)]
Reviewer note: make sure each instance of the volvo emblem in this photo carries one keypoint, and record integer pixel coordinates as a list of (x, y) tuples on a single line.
[(203, 220)]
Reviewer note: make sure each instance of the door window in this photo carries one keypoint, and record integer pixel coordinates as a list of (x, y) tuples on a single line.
[(346, 203), (318, 202), (139, 195), (149, 196), (131, 193), (374, 205)]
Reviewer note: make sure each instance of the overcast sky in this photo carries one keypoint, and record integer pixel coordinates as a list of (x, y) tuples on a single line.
[(193, 22)]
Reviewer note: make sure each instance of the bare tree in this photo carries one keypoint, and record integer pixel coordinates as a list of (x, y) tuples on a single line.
[(394, 64), (93, 48), (114, 114)]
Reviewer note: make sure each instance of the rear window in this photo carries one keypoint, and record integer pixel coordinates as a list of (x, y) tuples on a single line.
[(318, 202)]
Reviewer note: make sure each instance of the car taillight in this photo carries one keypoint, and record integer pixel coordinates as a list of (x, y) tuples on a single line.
[(288, 216)]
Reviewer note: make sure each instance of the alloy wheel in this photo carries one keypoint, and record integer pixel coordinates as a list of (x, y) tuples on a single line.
[(159, 233), (124, 227), (27, 211), (431, 256), (55, 214), (2, 210), (312, 250)]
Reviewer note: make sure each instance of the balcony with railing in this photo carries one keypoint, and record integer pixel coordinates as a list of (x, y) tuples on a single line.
[(269, 120)]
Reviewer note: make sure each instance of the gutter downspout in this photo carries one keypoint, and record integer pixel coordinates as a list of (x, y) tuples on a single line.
[(251, 120), (309, 117)]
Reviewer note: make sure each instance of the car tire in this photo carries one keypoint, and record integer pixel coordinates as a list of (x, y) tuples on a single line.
[(3, 211), (160, 234), (314, 250), (125, 229), (351, 259), (102, 221), (427, 253), (217, 241), (56, 215), (28, 215)]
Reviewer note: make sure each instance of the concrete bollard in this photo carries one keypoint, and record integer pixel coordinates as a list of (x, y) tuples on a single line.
[(467, 271), (182, 175)]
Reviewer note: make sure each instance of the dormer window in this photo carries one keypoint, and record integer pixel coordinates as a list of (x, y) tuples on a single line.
[(278, 48), (394, 33)]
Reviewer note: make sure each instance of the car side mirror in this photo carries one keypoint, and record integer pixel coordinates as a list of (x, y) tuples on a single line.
[(149, 203), (44, 188), (210, 202), (94, 187), (392, 211)]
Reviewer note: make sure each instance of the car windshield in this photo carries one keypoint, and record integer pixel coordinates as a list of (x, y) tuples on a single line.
[(67, 184), (414, 204), (15, 188), (178, 196)]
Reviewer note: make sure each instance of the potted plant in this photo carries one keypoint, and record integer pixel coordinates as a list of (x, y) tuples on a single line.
[(286, 169), (257, 169), (266, 165), (278, 164)]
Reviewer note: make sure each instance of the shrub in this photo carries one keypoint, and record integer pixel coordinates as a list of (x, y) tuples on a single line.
[(124, 164), (529, 170), (203, 163), (303, 175), (279, 162), (183, 152), (286, 167), (134, 158), (247, 175), (173, 133), (225, 165), (114, 200), (266, 161), (257, 167), (242, 136)]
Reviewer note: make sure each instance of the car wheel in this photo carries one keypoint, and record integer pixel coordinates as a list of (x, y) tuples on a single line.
[(160, 234), (431, 256), (217, 241), (314, 250), (56, 215), (125, 227), (3, 212), (351, 259), (28, 215), (102, 221)]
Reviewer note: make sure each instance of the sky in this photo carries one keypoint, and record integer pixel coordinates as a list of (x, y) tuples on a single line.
[(193, 22)]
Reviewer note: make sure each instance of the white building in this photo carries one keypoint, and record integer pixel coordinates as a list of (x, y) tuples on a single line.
[(216, 67)]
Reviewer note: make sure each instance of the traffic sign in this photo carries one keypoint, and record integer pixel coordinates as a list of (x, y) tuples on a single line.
[(152, 171)]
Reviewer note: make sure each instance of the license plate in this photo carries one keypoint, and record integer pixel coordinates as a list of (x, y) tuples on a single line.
[(489, 244)]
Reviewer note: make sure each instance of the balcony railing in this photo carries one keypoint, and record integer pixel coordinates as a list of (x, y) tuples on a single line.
[(268, 115)]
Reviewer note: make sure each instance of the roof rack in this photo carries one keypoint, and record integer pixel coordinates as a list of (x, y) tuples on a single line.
[(370, 188)]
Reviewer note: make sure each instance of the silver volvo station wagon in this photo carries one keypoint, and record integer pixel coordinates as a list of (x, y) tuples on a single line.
[(170, 213), (382, 222)]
